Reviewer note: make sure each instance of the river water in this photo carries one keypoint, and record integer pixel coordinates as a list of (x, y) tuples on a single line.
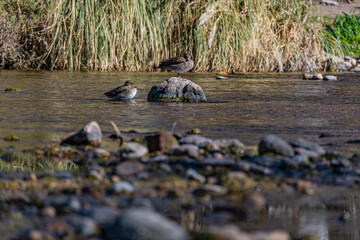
[(244, 106)]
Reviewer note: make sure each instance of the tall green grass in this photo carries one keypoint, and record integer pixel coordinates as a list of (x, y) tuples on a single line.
[(226, 35), (345, 30)]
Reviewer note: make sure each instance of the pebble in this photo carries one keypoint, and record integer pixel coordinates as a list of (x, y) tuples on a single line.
[(133, 150), (123, 187), (135, 224), (64, 204), (129, 168), (192, 174), (186, 149), (102, 153), (96, 172), (276, 145), (330, 78), (197, 140), (82, 225), (101, 214)]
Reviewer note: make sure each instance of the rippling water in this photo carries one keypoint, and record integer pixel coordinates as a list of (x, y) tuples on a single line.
[(245, 106)]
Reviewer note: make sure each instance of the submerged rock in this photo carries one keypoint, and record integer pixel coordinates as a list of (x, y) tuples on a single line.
[(89, 135), (134, 224), (176, 90)]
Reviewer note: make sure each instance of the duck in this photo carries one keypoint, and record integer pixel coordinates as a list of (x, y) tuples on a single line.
[(177, 64), (124, 92)]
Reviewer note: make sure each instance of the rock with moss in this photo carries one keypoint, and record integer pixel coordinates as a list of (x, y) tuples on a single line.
[(176, 90)]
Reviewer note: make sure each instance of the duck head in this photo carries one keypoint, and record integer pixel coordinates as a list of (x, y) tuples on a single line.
[(129, 83), (187, 57)]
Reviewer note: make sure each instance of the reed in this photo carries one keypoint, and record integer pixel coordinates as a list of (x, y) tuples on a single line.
[(226, 35)]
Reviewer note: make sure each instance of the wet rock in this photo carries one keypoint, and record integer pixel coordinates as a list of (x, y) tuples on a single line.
[(306, 187), (227, 232), (211, 189), (165, 167), (302, 143), (157, 158), (197, 140), (161, 142), (133, 150), (134, 224), (192, 174), (102, 214), (274, 144), (355, 69), (273, 235), (227, 143), (63, 175), (18, 197), (102, 153), (129, 168), (330, 78), (96, 172), (89, 135), (123, 187), (195, 131), (176, 89), (81, 225), (317, 76), (64, 204), (255, 202), (329, 2), (48, 211), (218, 162), (186, 149)]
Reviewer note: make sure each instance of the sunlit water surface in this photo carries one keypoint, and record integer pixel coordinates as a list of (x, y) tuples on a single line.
[(244, 106)]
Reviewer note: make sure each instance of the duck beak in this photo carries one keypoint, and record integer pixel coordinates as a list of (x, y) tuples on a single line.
[(133, 85)]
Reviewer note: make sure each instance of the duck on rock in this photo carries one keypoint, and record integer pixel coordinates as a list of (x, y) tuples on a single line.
[(177, 64)]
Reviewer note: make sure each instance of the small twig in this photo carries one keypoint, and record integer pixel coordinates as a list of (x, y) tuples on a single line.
[(117, 132)]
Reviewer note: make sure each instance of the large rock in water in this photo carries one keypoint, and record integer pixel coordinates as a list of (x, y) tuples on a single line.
[(176, 90)]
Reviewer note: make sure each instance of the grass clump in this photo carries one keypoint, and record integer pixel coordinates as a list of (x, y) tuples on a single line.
[(29, 162), (345, 30)]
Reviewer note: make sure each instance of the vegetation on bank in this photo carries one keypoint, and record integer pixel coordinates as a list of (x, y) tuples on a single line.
[(345, 29), (227, 35)]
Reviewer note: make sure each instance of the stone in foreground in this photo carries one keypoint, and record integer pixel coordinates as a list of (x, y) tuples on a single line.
[(134, 224), (176, 90), (274, 144), (89, 135)]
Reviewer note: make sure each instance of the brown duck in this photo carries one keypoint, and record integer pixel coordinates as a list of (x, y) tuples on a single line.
[(177, 64), (124, 92)]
